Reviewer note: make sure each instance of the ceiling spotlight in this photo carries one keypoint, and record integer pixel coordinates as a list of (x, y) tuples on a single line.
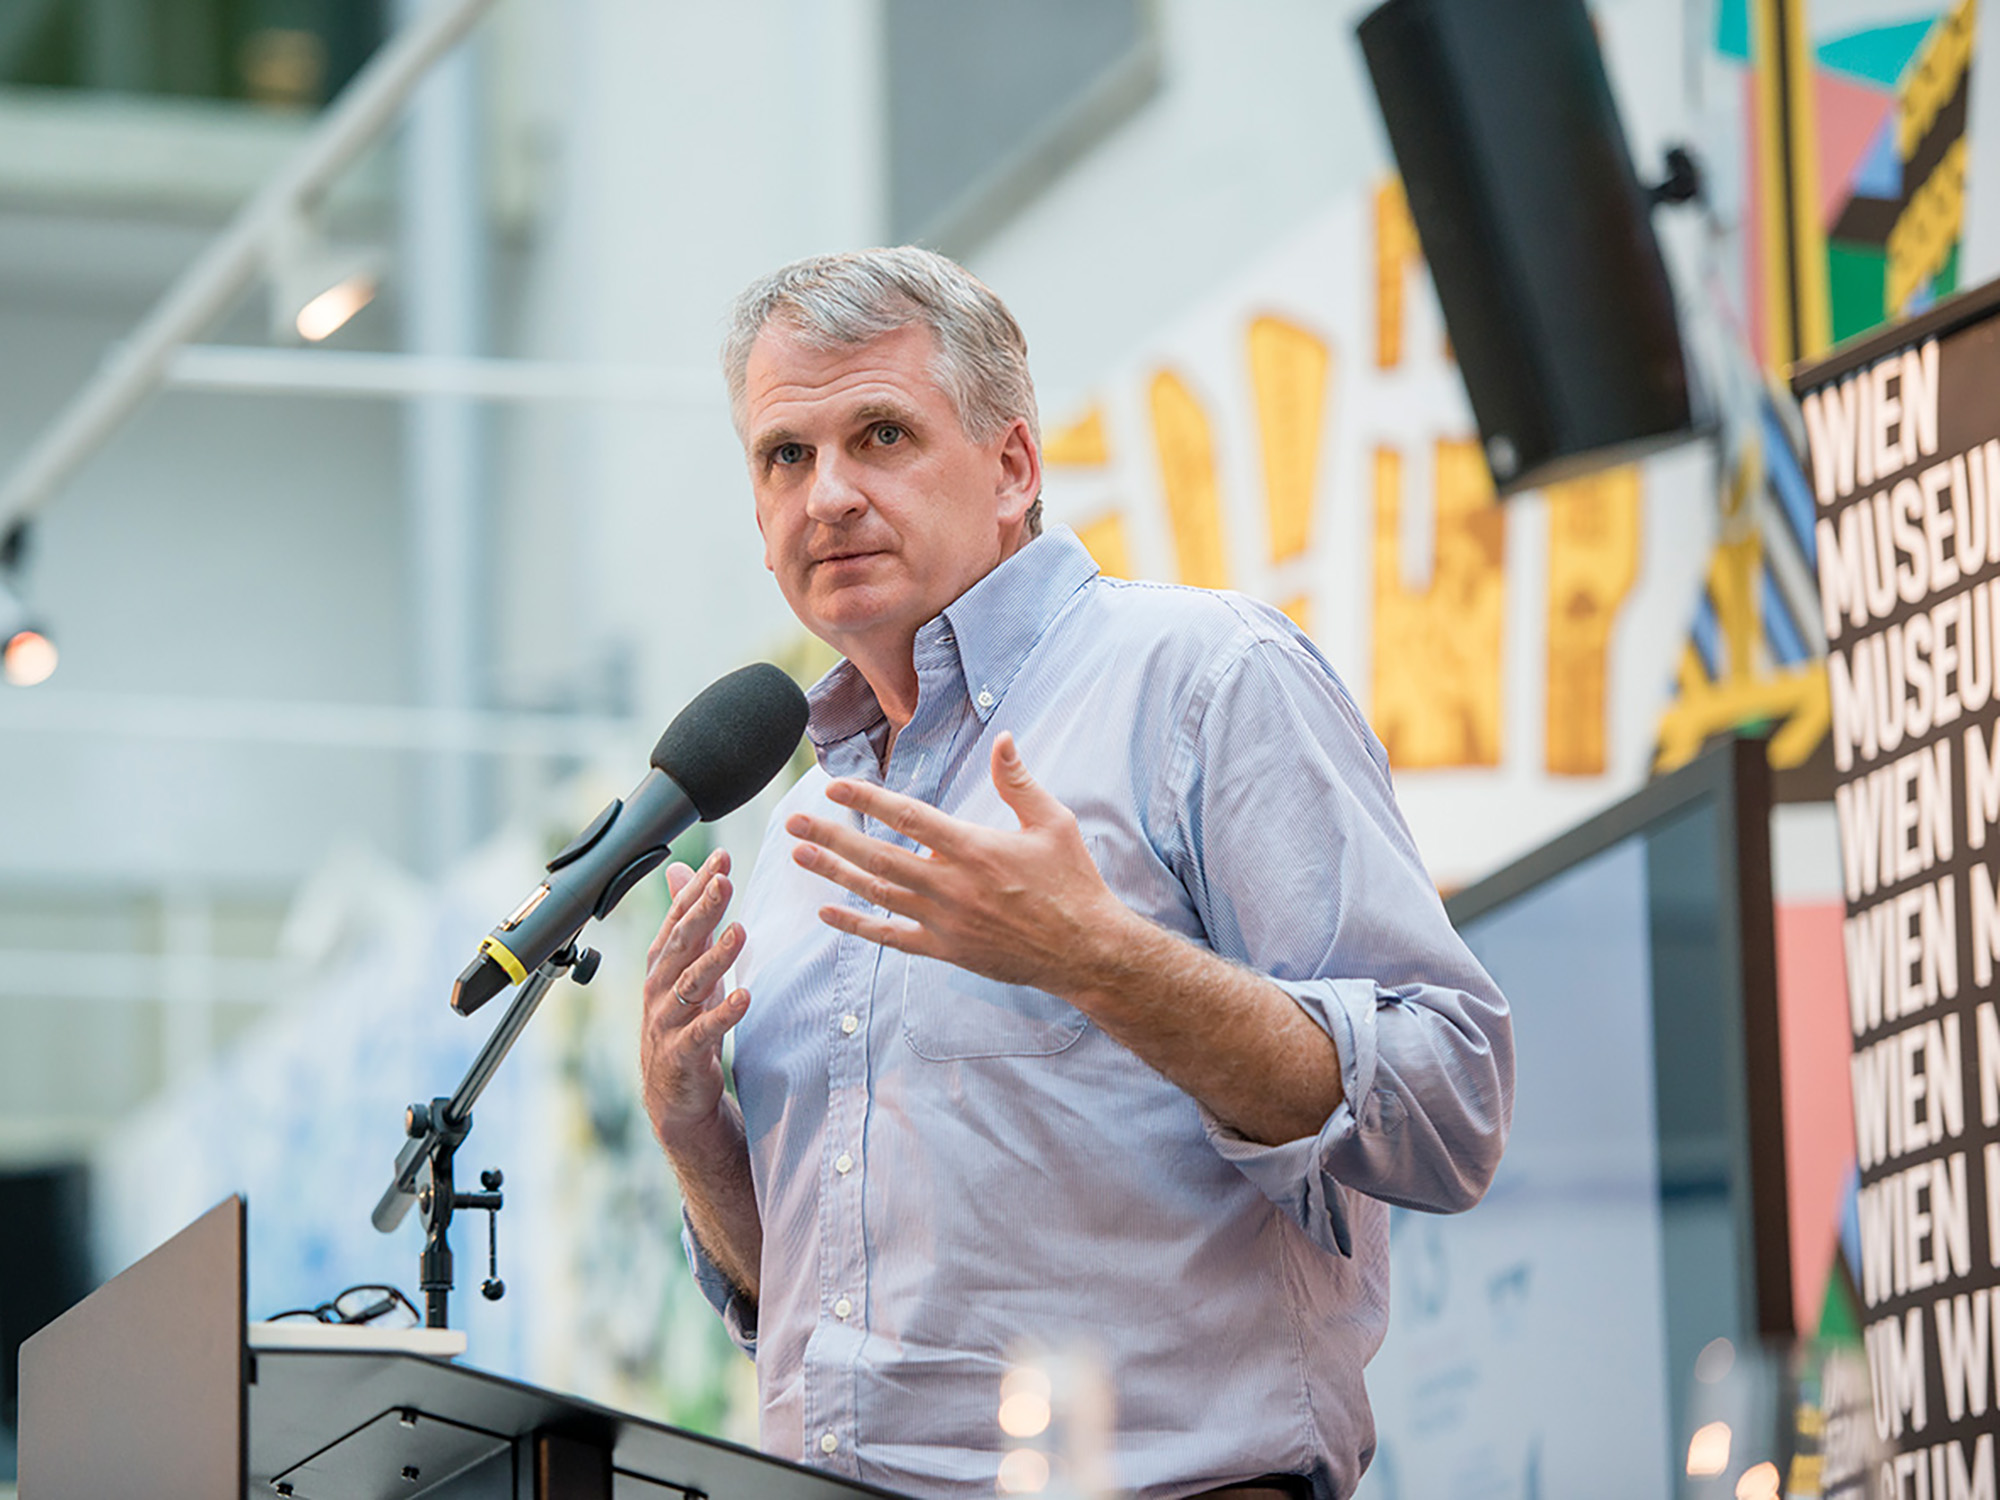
[(28, 658), (316, 283), (27, 655), (327, 313)]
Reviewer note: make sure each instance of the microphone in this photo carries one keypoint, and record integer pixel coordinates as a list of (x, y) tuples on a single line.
[(719, 752)]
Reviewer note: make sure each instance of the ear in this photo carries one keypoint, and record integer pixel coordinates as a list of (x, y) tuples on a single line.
[(1020, 474)]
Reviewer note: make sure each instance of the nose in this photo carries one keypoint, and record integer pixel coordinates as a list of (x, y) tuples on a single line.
[(836, 494)]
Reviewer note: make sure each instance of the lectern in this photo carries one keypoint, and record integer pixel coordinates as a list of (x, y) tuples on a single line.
[(154, 1386)]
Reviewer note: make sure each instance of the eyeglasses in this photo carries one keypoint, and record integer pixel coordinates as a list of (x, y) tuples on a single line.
[(379, 1306)]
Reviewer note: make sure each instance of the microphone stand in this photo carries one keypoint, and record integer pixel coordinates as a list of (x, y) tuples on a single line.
[(436, 1130)]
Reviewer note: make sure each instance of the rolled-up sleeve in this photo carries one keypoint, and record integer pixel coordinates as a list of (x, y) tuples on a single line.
[(739, 1313), (1302, 868)]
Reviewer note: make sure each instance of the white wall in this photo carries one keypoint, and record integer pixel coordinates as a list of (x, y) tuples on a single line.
[(1262, 118), (220, 547), (699, 147)]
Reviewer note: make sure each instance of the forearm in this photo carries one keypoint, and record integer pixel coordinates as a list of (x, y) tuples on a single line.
[(712, 1164), (1230, 1038)]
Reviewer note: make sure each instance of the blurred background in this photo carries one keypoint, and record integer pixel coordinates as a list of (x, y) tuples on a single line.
[(426, 527)]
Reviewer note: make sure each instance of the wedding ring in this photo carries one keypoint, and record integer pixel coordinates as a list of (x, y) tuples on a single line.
[(682, 998)]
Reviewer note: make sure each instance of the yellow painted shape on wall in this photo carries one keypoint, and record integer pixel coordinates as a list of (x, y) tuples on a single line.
[(1794, 240), (1732, 583), (1081, 445), (1105, 539), (1299, 610), (1929, 83), (1593, 562), (1438, 650), (1397, 254), (1795, 699), (1290, 369), (1186, 448), (1922, 238)]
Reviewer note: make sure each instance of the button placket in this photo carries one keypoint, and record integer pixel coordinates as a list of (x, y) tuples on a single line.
[(834, 1347)]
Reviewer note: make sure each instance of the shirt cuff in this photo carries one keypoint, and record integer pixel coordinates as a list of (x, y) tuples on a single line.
[(1295, 1175), (739, 1313)]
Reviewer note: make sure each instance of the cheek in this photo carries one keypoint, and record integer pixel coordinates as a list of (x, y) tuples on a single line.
[(772, 536)]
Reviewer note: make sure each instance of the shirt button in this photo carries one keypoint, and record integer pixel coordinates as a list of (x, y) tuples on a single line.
[(843, 1163), (848, 1024), (842, 1308), (828, 1442), (985, 698)]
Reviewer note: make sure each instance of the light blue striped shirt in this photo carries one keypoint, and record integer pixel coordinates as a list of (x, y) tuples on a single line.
[(946, 1166)]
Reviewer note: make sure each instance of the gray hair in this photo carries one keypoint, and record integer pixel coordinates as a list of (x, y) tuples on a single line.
[(833, 301)]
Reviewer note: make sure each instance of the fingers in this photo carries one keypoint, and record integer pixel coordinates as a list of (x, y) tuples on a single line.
[(874, 889), (899, 866), (696, 983), (703, 1035), (906, 937), (697, 908), (909, 817), (678, 875), (679, 878), (1028, 799)]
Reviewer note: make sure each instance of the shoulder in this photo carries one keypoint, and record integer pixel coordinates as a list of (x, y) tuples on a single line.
[(1210, 634)]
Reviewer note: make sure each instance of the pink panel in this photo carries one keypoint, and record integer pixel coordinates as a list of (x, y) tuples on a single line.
[(1819, 1114), (1849, 114)]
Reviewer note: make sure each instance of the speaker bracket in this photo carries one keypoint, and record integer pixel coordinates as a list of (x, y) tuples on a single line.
[(1683, 182)]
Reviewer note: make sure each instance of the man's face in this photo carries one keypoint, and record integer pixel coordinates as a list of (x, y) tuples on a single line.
[(876, 509)]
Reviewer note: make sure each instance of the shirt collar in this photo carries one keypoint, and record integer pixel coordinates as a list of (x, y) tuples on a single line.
[(994, 624)]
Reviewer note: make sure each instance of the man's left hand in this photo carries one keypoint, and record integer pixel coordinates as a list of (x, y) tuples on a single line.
[(1022, 906)]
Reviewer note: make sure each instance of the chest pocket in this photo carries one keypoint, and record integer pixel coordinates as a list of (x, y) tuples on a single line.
[(950, 1013)]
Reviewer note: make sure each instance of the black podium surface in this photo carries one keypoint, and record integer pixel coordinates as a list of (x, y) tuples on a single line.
[(151, 1386)]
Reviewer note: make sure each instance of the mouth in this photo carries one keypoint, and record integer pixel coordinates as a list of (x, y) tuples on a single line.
[(851, 554)]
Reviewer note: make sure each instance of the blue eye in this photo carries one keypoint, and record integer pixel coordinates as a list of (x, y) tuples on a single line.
[(788, 453), (888, 433)]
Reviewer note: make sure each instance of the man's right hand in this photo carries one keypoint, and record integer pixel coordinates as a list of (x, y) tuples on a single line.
[(686, 1013)]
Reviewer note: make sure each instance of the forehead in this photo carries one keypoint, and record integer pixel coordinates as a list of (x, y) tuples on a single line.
[(788, 379)]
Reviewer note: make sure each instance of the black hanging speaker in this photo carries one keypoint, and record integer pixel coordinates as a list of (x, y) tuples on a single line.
[(1536, 230)]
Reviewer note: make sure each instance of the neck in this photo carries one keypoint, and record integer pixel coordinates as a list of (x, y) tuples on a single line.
[(891, 674)]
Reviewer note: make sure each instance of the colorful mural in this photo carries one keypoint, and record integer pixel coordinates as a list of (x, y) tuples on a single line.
[(1876, 129), (1304, 437), (1853, 207), (1853, 143)]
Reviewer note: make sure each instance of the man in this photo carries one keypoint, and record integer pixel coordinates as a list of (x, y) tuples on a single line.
[(1100, 995)]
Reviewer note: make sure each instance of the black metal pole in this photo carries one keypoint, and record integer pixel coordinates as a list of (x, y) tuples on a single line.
[(424, 1166)]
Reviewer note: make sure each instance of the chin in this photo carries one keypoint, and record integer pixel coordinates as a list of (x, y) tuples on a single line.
[(858, 612)]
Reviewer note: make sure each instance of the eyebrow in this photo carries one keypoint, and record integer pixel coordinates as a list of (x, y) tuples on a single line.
[(765, 442), (878, 409)]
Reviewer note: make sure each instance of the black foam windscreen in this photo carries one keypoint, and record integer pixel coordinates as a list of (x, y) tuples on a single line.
[(1536, 230), (725, 746)]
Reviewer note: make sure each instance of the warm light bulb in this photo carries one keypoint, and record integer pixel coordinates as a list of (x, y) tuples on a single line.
[(1708, 1451), (1759, 1482), (1024, 1414), (327, 313), (29, 658), (1024, 1472)]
